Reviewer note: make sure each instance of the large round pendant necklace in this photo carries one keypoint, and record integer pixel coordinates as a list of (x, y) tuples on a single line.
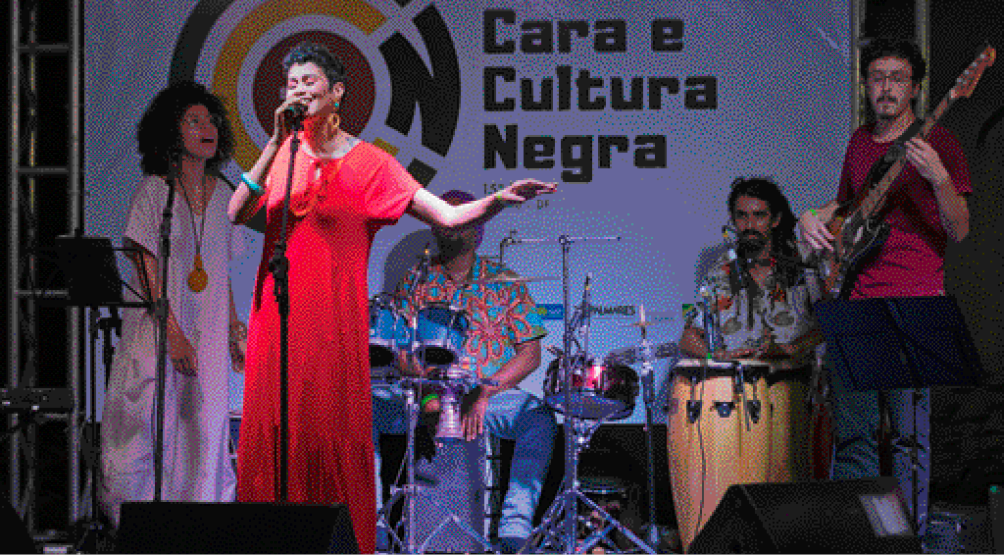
[(198, 278)]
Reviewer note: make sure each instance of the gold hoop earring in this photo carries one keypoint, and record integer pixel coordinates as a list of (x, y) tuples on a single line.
[(334, 123)]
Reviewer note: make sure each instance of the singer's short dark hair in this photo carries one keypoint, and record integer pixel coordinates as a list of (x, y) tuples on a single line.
[(159, 130), (884, 47), (307, 51)]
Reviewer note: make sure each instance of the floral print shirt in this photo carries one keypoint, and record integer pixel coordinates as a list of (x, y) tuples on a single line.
[(501, 315), (748, 318)]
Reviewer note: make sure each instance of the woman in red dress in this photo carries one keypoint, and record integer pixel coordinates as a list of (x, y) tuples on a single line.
[(344, 190)]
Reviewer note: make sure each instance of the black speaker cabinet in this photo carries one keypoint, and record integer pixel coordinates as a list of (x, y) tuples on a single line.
[(846, 516), (181, 527)]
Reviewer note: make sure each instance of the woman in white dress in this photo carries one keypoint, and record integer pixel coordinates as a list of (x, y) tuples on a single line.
[(183, 138)]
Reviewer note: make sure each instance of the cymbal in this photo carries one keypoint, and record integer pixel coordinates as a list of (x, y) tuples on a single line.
[(651, 318), (507, 278), (630, 355)]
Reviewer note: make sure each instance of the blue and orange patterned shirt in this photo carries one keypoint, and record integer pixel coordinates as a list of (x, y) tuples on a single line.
[(501, 315)]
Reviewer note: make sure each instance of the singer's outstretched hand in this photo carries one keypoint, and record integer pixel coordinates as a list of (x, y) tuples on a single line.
[(524, 190)]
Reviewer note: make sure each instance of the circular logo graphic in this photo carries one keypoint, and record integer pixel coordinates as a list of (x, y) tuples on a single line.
[(433, 93), (357, 104)]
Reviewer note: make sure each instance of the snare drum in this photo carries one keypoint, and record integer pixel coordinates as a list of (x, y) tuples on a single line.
[(440, 333), (597, 391), (388, 331), (715, 440)]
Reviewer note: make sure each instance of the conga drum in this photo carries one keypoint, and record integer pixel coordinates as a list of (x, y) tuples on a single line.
[(719, 435), (788, 389)]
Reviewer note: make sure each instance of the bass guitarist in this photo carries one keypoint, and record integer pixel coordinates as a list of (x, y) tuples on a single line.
[(925, 209)]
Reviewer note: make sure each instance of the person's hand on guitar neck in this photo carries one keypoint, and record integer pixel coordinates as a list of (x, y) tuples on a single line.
[(927, 162), (812, 226)]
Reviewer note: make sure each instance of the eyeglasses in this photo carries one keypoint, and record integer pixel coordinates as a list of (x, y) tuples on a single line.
[(896, 77)]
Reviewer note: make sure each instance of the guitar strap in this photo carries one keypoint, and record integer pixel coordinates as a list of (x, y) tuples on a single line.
[(896, 151)]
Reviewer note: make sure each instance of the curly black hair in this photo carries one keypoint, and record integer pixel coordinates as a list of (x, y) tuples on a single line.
[(884, 47), (307, 51), (159, 130), (783, 236)]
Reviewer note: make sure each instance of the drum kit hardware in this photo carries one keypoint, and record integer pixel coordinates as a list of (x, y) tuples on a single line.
[(435, 336), (587, 391)]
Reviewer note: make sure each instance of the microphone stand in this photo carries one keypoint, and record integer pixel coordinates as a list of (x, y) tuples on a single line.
[(162, 310), (278, 265), (647, 358)]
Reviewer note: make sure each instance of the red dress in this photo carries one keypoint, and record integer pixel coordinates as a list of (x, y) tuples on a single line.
[(337, 208)]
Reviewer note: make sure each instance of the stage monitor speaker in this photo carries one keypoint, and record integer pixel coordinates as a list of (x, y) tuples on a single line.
[(183, 527), (16, 538), (846, 516)]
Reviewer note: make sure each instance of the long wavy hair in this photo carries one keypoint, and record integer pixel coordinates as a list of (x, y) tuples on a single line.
[(783, 236), (159, 130)]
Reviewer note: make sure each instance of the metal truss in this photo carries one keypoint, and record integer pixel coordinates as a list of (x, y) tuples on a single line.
[(42, 470)]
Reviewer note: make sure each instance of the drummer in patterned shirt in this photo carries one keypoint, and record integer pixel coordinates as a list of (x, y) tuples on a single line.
[(503, 344), (762, 299)]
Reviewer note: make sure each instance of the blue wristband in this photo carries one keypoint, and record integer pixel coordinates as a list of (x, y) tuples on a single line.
[(251, 185)]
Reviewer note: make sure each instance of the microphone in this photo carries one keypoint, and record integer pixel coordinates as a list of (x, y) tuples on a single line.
[(425, 264), (587, 294), (727, 232), (294, 113)]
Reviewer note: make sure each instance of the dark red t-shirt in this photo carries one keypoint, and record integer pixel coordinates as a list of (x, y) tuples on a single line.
[(911, 263)]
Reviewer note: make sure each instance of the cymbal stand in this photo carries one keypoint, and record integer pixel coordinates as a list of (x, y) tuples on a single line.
[(559, 529)]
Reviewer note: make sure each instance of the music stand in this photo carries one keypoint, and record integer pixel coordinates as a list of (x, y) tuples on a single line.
[(899, 343), (93, 281)]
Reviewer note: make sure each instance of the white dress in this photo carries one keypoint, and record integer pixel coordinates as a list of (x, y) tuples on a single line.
[(197, 466)]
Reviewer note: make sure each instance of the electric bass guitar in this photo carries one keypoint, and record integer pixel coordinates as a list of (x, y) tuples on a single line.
[(857, 225)]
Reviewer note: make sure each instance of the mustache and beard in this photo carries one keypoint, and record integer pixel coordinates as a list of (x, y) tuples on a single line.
[(751, 243), (881, 110), (453, 242)]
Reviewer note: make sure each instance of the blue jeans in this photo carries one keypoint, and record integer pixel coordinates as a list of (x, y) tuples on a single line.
[(512, 414), (856, 424)]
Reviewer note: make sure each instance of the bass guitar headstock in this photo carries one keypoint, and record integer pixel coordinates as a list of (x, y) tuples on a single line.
[(966, 82)]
